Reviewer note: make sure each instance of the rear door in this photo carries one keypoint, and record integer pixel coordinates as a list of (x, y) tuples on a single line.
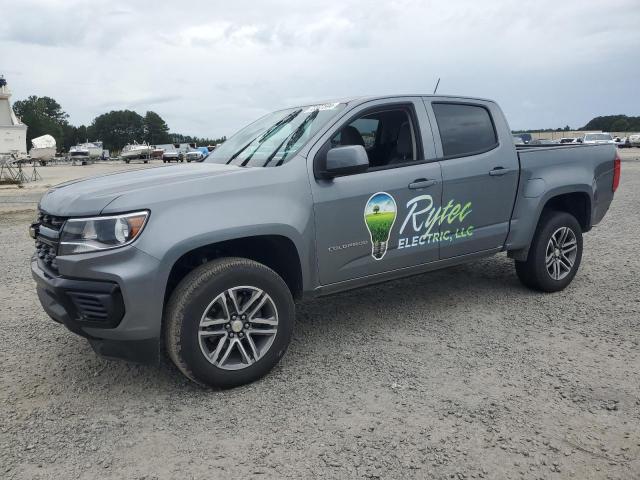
[(374, 222), (479, 175)]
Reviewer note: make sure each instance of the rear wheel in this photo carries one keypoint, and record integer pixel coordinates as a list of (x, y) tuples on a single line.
[(229, 322), (555, 253)]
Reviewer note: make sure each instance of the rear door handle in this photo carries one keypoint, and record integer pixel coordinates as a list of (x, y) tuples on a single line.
[(497, 171), (422, 183)]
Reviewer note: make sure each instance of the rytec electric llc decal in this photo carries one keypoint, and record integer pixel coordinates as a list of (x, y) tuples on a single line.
[(422, 218)]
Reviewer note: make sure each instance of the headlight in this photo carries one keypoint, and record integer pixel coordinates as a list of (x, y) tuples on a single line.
[(82, 235)]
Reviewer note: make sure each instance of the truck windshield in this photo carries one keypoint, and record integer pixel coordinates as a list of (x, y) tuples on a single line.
[(275, 138)]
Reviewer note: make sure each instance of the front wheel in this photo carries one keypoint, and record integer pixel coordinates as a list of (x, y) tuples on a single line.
[(555, 253), (229, 322)]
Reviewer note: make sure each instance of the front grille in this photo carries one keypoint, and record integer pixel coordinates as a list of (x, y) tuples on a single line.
[(47, 253), (47, 239)]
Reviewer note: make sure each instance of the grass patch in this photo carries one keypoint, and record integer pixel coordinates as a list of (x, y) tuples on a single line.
[(379, 225)]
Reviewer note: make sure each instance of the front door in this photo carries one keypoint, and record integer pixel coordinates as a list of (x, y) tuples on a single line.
[(375, 222)]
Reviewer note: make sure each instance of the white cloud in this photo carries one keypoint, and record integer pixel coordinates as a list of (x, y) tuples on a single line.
[(210, 67)]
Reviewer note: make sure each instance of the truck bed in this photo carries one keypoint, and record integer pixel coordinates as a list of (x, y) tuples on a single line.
[(551, 170)]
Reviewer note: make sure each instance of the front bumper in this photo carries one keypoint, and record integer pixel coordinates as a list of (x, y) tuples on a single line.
[(78, 303), (112, 298)]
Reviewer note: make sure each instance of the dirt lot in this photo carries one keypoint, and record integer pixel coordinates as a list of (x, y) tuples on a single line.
[(14, 198), (457, 374)]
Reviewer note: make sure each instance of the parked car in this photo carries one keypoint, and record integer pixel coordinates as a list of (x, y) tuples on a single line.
[(207, 258), (170, 156), (597, 138), (622, 142), (542, 141), (634, 140), (197, 155), (526, 137)]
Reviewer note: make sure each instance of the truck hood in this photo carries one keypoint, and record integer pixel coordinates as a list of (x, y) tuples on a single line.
[(89, 196)]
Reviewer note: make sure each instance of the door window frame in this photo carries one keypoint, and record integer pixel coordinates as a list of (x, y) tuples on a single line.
[(409, 107), (467, 154)]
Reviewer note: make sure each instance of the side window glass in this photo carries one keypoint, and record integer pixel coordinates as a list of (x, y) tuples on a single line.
[(367, 127), (388, 137), (464, 129)]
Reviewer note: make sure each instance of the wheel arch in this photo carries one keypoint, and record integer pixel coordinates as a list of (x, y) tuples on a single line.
[(574, 199), (577, 203), (276, 251)]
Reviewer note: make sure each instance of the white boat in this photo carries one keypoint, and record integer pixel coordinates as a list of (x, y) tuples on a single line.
[(136, 150), (88, 149), (44, 148)]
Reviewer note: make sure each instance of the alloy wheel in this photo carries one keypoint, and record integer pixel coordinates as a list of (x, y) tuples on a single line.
[(561, 253), (238, 327)]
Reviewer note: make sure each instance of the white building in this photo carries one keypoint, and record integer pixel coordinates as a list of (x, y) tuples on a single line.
[(13, 133)]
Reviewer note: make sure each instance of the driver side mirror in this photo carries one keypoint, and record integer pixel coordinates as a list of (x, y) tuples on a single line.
[(346, 160)]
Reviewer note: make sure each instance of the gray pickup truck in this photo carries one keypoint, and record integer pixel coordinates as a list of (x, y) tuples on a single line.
[(202, 262)]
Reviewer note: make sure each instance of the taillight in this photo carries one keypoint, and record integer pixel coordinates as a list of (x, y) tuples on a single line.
[(616, 172)]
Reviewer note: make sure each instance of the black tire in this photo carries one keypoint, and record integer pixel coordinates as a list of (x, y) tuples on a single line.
[(533, 272), (194, 295)]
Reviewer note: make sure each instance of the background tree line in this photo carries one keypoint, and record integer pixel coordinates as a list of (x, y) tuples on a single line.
[(44, 115), (614, 123), (565, 129)]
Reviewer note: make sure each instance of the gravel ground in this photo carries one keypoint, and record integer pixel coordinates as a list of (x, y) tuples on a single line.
[(457, 374)]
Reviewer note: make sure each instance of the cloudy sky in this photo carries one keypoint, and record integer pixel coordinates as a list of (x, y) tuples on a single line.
[(210, 67)]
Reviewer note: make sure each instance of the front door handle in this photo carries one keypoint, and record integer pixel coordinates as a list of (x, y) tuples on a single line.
[(497, 171), (422, 183)]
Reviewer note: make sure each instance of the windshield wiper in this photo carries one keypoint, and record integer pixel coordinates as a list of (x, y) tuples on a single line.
[(295, 136), (277, 126), (261, 138)]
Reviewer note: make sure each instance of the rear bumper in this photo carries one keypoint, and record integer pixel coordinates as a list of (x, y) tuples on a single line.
[(112, 299)]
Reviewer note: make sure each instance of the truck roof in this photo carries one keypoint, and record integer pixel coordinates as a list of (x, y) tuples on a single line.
[(356, 100), (366, 98)]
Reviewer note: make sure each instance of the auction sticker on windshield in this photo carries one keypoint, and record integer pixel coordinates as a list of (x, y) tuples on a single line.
[(322, 107)]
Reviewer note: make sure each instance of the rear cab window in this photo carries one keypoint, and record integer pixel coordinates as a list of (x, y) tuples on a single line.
[(464, 129)]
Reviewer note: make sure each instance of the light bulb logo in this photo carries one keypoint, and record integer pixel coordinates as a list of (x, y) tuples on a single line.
[(379, 217)]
